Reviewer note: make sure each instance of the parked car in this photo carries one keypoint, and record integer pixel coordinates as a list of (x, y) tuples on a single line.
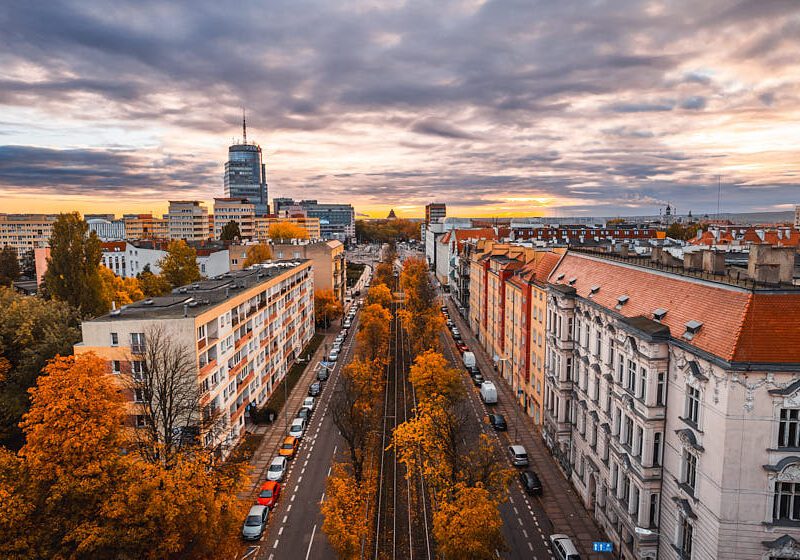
[(456, 332), (277, 468), (289, 447), (462, 347), (347, 323), (497, 421), (322, 374), (333, 356), (564, 548), (308, 402), (298, 428), (530, 482), (488, 393), (314, 389), (477, 379), (269, 493), (255, 523), (519, 457), (304, 413)]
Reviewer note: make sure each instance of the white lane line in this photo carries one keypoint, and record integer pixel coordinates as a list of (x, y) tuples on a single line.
[(322, 501), (293, 497), (299, 479), (311, 542), (280, 531), (524, 532), (530, 546), (276, 544), (329, 471), (289, 508), (285, 518)]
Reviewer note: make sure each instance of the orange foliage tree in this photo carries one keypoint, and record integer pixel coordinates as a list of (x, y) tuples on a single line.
[(380, 294), (257, 254), (384, 274), (284, 231), (345, 511), (432, 377), (327, 307), (458, 536), (373, 334), (120, 291)]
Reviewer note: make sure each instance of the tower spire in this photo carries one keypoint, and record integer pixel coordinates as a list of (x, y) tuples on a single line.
[(244, 127)]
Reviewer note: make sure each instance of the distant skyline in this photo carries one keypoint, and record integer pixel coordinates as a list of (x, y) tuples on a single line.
[(496, 108)]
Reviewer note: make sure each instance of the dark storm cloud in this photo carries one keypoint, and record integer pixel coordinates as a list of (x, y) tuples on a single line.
[(480, 102)]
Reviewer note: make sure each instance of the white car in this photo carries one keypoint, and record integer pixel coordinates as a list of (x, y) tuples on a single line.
[(347, 323), (298, 428), (333, 356), (277, 468), (308, 402)]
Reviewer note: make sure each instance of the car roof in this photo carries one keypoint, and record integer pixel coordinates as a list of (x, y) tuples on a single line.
[(290, 439), (298, 420), (269, 484), (279, 459), (257, 509), (517, 448)]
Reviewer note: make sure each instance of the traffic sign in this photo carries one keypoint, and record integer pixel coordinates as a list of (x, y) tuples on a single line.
[(600, 546)]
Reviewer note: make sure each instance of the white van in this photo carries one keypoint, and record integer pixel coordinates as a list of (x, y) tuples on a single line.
[(563, 548), (469, 360), (298, 428), (488, 392)]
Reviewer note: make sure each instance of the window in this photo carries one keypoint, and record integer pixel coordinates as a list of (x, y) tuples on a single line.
[(569, 369), (661, 386), (114, 339), (137, 369), (689, 470), (693, 405), (115, 366), (138, 395), (642, 386), (598, 344), (627, 432), (137, 342), (685, 539), (631, 379), (140, 421), (788, 434), (201, 332), (653, 514), (787, 501), (657, 449)]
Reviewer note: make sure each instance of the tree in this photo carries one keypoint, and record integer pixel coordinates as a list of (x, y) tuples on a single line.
[(230, 231), (345, 512), (373, 334), (168, 397), (73, 266), (457, 534), (257, 254), (153, 285), (380, 294), (9, 266), (384, 274), (179, 266), (29, 264), (420, 295), (118, 291), (432, 377), (32, 331), (327, 307), (283, 231)]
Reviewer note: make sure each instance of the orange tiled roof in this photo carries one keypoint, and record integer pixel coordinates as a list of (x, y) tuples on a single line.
[(738, 325), (115, 246)]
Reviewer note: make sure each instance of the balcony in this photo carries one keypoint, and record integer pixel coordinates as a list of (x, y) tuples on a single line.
[(208, 367)]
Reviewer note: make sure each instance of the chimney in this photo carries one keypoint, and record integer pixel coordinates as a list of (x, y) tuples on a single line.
[(624, 251), (655, 254), (693, 260), (185, 309), (771, 265), (713, 262)]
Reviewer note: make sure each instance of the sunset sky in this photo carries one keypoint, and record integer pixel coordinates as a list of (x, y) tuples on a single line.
[(495, 107)]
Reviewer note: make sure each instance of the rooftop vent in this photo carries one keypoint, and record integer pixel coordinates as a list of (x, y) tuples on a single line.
[(659, 314), (148, 302), (622, 300), (692, 328), (572, 280), (593, 290), (560, 276)]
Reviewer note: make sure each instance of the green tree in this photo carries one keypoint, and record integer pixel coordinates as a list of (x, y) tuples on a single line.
[(32, 331), (151, 284), (9, 266), (179, 267), (73, 266), (230, 231)]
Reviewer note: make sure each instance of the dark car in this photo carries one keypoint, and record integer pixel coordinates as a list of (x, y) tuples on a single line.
[(304, 413), (498, 422), (322, 374), (530, 482), (314, 389), (462, 347), (477, 379)]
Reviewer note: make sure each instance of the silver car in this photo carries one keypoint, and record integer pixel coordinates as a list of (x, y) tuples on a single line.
[(277, 468), (255, 523)]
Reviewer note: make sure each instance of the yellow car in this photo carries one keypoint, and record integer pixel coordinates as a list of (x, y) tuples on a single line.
[(289, 447)]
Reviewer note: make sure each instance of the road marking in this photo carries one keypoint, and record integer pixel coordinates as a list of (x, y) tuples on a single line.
[(524, 532), (289, 508), (329, 470), (276, 544), (530, 546), (303, 470), (300, 478), (322, 501), (516, 510), (285, 518), (280, 531), (311, 542), (293, 497)]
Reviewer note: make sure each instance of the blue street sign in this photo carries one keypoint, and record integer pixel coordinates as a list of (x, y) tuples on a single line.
[(599, 546)]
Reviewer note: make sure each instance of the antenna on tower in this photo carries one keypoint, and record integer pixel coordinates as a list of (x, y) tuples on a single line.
[(244, 127)]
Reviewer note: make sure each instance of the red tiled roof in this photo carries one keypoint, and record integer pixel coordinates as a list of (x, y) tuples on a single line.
[(113, 246), (738, 325)]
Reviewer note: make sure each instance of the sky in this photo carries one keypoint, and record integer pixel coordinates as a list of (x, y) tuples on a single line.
[(498, 108)]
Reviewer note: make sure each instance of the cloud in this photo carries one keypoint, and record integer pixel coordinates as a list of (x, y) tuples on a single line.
[(640, 107), (437, 127), (693, 103)]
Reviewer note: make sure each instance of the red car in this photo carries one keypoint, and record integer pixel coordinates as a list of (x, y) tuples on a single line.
[(269, 494)]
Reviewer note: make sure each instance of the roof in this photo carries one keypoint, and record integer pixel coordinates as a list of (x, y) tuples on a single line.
[(738, 325), (113, 246)]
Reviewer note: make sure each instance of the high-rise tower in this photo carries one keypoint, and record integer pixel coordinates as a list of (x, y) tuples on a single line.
[(245, 174)]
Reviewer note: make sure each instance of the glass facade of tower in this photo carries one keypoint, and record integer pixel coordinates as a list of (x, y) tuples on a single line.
[(246, 176)]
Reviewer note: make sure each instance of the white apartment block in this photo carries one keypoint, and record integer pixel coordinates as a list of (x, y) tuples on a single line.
[(189, 220), (26, 232), (237, 210), (673, 404), (107, 230), (244, 331)]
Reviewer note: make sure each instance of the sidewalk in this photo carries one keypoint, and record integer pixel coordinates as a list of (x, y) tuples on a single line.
[(275, 432), (562, 505)]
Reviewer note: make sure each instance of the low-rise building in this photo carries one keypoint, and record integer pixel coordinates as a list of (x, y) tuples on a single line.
[(189, 220), (327, 261), (145, 226), (243, 331), (672, 400)]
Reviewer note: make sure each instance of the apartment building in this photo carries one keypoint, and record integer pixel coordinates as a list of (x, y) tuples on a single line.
[(238, 210), (189, 220), (327, 261), (26, 232), (106, 230), (243, 330), (311, 225), (145, 226), (672, 401)]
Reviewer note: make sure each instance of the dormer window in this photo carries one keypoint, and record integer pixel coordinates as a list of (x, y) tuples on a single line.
[(659, 314), (692, 328), (572, 281), (621, 300), (593, 290)]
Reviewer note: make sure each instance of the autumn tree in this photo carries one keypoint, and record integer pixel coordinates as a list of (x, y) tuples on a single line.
[(379, 294), (372, 339), (345, 512), (230, 231), (118, 291), (32, 331), (384, 274), (257, 254), (327, 307), (179, 266), (420, 295), (458, 536), (9, 266), (73, 272), (284, 231), (432, 377), (151, 284)]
